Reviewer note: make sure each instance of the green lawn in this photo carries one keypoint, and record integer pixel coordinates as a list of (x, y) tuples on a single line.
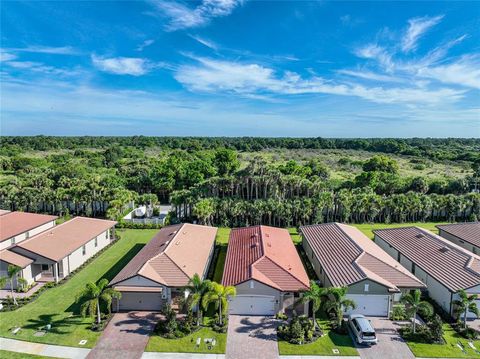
[(322, 346), (14, 355), (447, 350), (222, 235), (57, 305), (188, 344), (367, 228), (220, 264)]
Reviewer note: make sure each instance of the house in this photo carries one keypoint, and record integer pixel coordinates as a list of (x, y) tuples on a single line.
[(466, 235), (18, 226), (442, 265), (59, 250), (342, 256), (160, 271), (265, 268)]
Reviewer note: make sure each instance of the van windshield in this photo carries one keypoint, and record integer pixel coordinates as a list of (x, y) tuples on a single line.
[(368, 334)]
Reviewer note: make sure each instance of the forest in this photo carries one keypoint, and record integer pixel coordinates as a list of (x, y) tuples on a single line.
[(243, 181)]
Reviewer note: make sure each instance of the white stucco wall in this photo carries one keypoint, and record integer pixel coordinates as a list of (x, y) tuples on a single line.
[(77, 258)]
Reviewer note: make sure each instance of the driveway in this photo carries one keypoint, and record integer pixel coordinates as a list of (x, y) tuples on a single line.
[(251, 337), (126, 336), (390, 344)]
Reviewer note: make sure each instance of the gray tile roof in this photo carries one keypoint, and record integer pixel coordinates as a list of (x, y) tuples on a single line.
[(468, 232)]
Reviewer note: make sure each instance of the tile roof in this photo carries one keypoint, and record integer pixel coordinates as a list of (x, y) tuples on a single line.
[(14, 258), (15, 223), (266, 254), (348, 256), (172, 256), (468, 232), (58, 242), (453, 266)]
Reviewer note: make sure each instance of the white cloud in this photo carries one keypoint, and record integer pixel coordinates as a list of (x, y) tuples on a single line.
[(464, 72), (416, 28), (208, 43), (63, 50), (39, 67), (378, 53), (145, 44), (122, 65), (7, 56), (183, 17), (368, 75), (253, 79)]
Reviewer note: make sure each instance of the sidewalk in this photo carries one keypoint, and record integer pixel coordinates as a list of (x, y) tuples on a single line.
[(55, 351), (152, 355)]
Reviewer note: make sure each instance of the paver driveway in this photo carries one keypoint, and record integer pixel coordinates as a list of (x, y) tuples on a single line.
[(125, 336), (252, 337), (390, 345)]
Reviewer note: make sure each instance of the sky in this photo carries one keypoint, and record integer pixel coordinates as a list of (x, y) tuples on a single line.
[(240, 68)]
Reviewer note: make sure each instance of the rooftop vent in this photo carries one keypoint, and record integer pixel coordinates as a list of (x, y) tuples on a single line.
[(269, 244), (444, 249), (420, 235), (177, 243), (254, 245), (267, 235)]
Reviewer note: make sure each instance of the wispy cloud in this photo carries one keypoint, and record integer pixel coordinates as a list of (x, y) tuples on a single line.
[(145, 44), (7, 56), (63, 50), (183, 17), (256, 80), (205, 42), (416, 28), (368, 75), (41, 68), (122, 65)]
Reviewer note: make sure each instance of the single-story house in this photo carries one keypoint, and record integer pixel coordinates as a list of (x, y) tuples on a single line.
[(18, 226), (160, 271), (58, 251), (342, 256), (266, 270), (466, 235), (442, 265)]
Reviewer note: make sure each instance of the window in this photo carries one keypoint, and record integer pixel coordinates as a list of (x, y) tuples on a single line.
[(44, 267), (84, 250), (96, 241), (12, 241), (108, 234), (366, 287), (252, 284)]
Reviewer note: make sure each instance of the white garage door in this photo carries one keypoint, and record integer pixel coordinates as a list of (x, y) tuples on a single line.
[(374, 305), (252, 305), (141, 301)]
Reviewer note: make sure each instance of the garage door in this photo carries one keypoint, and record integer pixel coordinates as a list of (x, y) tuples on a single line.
[(252, 305), (374, 305), (141, 301)]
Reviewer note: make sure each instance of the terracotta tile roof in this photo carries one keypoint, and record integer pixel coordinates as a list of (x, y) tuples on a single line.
[(468, 232), (15, 223), (453, 266), (4, 211), (347, 256), (16, 259), (173, 255), (58, 242), (266, 254)]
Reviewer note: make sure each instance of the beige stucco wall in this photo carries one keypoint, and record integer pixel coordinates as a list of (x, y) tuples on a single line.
[(30, 233), (317, 267), (77, 258)]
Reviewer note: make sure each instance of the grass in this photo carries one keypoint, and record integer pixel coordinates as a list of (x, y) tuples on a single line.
[(322, 346), (4, 354), (187, 344), (220, 264), (222, 235), (57, 305), (367, 228), (447, 350)]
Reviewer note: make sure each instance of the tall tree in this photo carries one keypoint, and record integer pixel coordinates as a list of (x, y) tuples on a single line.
[(197, 288), (415, 304), (218, 294), (93, 295), (466, 304), (315, 296)]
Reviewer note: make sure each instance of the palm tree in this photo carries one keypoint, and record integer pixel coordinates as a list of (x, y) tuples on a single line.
[(466, 304), (93, 294), (197, 289), (338, 303), (219, 295), (315, 296), (12, 273), (415, 304)]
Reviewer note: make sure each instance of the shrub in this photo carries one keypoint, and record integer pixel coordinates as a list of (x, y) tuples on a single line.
[(422, 335), (281, 316), (399, 312), (436, 329)]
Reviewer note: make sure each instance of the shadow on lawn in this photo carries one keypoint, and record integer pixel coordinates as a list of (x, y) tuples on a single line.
[(111, 273), (42, 320)]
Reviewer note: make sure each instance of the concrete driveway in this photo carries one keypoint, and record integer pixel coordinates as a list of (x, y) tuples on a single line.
[(390, 344), (126, 336), (251, 337)]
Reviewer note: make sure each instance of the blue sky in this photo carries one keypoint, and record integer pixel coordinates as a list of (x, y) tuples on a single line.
[(241, 68)]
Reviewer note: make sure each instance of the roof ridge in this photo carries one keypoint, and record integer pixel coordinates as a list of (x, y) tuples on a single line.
[(449, 244)]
